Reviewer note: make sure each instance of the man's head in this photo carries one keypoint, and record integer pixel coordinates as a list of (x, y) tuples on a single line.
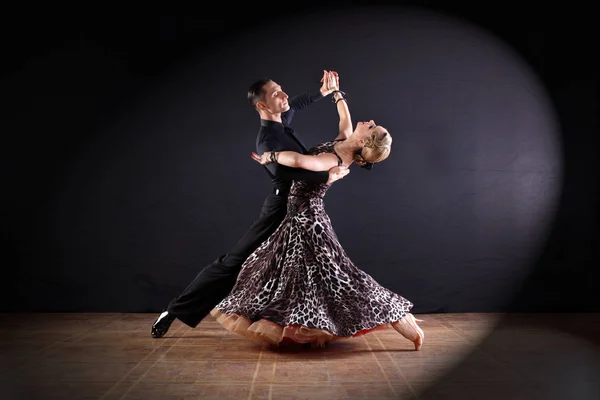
[(375, 141), (267, 97)]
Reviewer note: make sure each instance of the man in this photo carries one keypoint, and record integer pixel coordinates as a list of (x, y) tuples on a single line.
[(216, 280)]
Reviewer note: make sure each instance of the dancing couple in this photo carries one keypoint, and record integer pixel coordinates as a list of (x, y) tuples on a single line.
[(289, 280)]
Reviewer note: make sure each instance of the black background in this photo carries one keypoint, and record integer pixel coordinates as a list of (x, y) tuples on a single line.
[(123, 178)]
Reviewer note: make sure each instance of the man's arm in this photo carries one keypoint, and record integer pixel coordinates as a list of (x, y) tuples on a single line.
[(303, 100), (288, 173), (299, 102), (330, 82)]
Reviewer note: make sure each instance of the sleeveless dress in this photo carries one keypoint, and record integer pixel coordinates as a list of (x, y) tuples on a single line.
[(299, 286)]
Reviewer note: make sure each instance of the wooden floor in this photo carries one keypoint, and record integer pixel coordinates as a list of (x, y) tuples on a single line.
[(465, 356)]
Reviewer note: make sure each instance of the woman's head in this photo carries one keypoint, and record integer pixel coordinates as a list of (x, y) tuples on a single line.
[(375, 141)]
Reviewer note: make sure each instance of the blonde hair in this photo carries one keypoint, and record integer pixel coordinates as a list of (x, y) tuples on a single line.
[(377, 148)]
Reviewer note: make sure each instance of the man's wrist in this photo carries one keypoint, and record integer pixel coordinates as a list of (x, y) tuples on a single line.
[(314, 96)]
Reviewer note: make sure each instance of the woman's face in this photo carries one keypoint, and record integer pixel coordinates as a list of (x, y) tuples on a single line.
[(366, 128)]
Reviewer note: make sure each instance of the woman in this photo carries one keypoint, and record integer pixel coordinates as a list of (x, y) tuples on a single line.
[(299, 285)]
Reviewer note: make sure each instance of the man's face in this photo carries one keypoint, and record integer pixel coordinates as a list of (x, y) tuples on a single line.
[(275, 99)]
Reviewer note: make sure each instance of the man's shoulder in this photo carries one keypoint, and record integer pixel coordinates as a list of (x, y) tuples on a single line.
[(266, 132)]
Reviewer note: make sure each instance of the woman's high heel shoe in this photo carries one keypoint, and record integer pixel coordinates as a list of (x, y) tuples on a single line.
[(408, 328)]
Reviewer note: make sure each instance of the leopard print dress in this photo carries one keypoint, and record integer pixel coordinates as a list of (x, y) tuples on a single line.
[(300, 285)]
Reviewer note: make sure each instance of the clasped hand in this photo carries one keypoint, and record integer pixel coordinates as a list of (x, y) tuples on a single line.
[(330, 82)]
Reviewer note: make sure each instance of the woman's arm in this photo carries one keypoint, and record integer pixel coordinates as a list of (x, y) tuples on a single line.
[(321, 162), (268, 143), (345, 127)]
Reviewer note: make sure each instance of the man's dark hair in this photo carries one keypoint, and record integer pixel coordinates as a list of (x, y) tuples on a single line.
[(255, 92)]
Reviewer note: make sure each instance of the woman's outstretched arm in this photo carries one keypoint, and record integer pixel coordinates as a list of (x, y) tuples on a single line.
[(321, 162)]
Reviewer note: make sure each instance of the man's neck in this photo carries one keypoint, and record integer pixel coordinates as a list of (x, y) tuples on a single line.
[(271, 117)]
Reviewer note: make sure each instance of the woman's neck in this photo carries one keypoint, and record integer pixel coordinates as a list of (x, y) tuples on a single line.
[(346, 150)]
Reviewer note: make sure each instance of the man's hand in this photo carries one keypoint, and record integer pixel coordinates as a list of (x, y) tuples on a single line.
[(330, 82), (336, 173)]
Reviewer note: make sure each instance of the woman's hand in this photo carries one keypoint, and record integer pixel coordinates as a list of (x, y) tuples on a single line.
[(263, 159)]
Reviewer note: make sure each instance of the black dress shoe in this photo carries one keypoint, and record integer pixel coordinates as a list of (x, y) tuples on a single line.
[(162, 324)]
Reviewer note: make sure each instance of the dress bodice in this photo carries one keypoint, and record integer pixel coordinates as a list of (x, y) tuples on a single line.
[(312, 189)]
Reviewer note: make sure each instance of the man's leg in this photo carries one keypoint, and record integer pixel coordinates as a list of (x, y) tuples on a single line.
[(216, 280)]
